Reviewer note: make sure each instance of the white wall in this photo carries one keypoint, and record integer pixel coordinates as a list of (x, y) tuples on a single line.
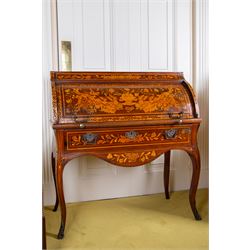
[(126, 35)]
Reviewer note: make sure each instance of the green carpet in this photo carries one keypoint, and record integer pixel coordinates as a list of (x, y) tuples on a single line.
[(141, 222)]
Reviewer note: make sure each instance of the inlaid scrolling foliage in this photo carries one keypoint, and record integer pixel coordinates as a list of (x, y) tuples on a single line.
[(54, 102), (76, 140), (120, 138), (116, 138), (112, 100), (131, 157)]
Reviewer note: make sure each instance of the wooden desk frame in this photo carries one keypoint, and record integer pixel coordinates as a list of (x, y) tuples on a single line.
[(134, 154)]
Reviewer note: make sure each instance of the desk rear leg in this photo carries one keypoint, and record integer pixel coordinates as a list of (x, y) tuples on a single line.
[(166, 173), (53, 162)]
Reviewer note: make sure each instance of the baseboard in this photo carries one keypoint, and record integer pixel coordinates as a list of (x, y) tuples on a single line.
[(49, 190)]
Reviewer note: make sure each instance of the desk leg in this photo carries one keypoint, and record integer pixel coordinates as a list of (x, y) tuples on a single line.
[(59, 185), (166, 173), (53, 162), (195, 157), (44, 245)]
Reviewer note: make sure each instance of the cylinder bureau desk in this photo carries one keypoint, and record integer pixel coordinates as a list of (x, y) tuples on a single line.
[(125, 118)]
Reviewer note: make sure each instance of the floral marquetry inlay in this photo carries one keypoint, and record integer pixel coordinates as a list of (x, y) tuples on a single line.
[(54, 102), (121, 138), (84, 101), (118, 138), (131, 157)]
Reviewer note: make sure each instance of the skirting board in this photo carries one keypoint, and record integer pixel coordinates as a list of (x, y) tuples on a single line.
[(77, 194)]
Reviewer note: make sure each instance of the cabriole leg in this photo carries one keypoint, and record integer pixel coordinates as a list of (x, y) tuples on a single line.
[(53, 162), (166, 173), (195, 157), (59, 184)]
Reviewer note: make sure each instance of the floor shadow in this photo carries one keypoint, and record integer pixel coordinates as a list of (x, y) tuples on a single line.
[(51, 235), (177, 206), (48, 208)]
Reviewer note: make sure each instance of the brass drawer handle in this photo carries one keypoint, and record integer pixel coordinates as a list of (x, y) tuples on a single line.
[(171, 133), (90, 138), (131, 134)]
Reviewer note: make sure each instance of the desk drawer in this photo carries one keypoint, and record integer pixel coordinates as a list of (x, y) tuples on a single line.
[(132, 136)]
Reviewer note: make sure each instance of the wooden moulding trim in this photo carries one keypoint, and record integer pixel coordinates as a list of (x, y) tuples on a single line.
[(127, 123), (102, 76), (108, 147)]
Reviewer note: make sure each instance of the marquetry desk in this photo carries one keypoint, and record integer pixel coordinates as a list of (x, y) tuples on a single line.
[(125, 118)]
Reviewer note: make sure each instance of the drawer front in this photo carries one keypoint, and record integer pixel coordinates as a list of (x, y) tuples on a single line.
[(76, 140)]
